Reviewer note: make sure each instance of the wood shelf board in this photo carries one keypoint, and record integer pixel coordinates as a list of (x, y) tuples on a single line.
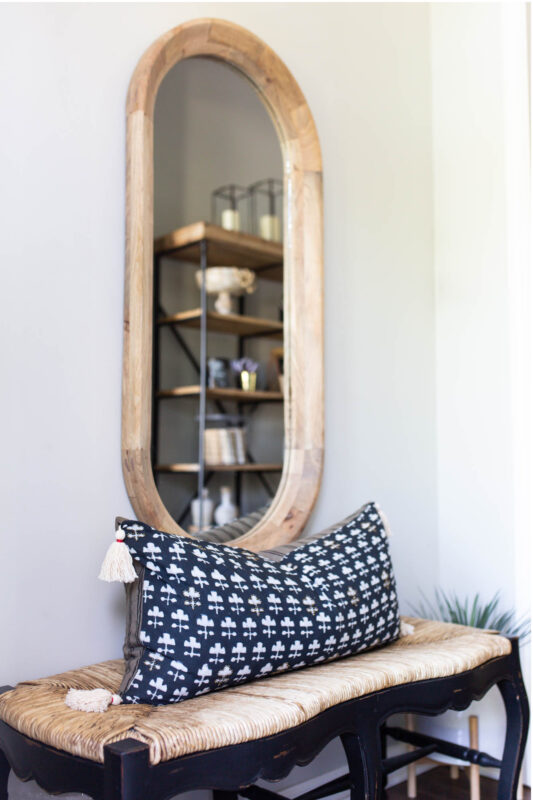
[(224, 248), (237, 324), (194, 468), (238, 395)]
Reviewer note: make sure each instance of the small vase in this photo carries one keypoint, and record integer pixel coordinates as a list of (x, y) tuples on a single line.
[(206, 509), (248, 380), (226, 511)]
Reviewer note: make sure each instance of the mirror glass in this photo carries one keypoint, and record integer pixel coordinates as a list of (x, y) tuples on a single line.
[(217, 403)]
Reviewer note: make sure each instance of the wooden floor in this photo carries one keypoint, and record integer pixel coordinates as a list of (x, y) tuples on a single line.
[(437, 785)]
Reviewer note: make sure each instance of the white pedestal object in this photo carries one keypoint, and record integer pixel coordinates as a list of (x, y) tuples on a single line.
[(225, 282), (207, 510), (226, 511)]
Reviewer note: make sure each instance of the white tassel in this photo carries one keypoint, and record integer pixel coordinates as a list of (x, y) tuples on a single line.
[(406, 629), (118, 563), (91, 699)]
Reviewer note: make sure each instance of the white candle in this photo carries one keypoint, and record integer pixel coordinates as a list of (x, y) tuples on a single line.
[(269, 228), (231, 220)]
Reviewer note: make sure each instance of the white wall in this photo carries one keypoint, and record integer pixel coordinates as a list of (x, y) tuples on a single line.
[(472, 310), (483, 307), (372, 108), (366, 72)]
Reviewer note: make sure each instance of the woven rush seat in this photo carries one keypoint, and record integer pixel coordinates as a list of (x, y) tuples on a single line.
[(246, 712)]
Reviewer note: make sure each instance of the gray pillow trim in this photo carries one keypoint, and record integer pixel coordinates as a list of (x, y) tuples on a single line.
[(232, 530), (277, 553), (133, 648)]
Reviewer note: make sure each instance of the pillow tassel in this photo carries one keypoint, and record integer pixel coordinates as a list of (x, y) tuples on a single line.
[(91, 699), (406, 629), (118, 563)]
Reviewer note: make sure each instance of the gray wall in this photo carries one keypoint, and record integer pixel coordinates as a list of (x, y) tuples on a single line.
[(211, 129)]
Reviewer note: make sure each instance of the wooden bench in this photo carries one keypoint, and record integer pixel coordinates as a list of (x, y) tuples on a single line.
[(227, 740)]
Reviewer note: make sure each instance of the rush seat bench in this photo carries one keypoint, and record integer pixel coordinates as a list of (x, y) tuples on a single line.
[(227, 740)]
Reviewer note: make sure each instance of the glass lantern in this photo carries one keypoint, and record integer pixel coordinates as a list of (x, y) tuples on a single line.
[(230, 207), (267, 209)]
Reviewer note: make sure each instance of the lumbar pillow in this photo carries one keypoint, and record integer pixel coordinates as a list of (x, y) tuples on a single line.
[(203, 616)]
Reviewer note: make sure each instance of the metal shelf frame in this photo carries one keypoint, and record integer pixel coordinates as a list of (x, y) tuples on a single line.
[(200, 366)]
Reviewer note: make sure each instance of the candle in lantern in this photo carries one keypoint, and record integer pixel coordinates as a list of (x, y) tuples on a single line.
[(269, 227), (231, 220), (266, 201)]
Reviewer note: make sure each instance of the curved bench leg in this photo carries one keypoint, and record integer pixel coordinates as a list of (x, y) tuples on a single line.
[(363, 752), (4, 775), (383, 743), (517, 711), (126, 765)]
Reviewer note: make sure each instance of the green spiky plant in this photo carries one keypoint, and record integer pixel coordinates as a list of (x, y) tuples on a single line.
[(449, 607)]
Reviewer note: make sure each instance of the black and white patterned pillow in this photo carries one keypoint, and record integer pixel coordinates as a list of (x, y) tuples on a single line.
[(204, 616)]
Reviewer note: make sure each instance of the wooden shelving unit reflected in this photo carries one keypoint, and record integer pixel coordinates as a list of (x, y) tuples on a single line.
[(205, 244), (237, 324), (192, 468), (238, 395), (226, 249)]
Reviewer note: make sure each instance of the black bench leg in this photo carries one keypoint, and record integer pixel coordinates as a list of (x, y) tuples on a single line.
[(363, 752), (126, 766), (4, 775), (384, 777), (517, 711)]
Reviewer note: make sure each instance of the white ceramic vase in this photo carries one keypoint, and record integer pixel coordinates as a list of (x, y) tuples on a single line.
[(206, 508), (227, 510), (225, 282)]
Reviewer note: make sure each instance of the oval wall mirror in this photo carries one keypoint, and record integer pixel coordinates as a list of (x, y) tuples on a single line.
[(223, 327)]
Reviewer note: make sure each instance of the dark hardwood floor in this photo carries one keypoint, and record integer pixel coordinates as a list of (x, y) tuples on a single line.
[(438, 785)]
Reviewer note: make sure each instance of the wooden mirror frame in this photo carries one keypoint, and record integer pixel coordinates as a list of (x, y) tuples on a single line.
[(302, 285)]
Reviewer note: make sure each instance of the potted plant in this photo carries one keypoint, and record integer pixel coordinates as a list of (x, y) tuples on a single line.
[(449, 607)]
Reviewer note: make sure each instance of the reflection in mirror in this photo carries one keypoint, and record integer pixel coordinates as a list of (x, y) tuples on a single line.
[(217, 406)]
